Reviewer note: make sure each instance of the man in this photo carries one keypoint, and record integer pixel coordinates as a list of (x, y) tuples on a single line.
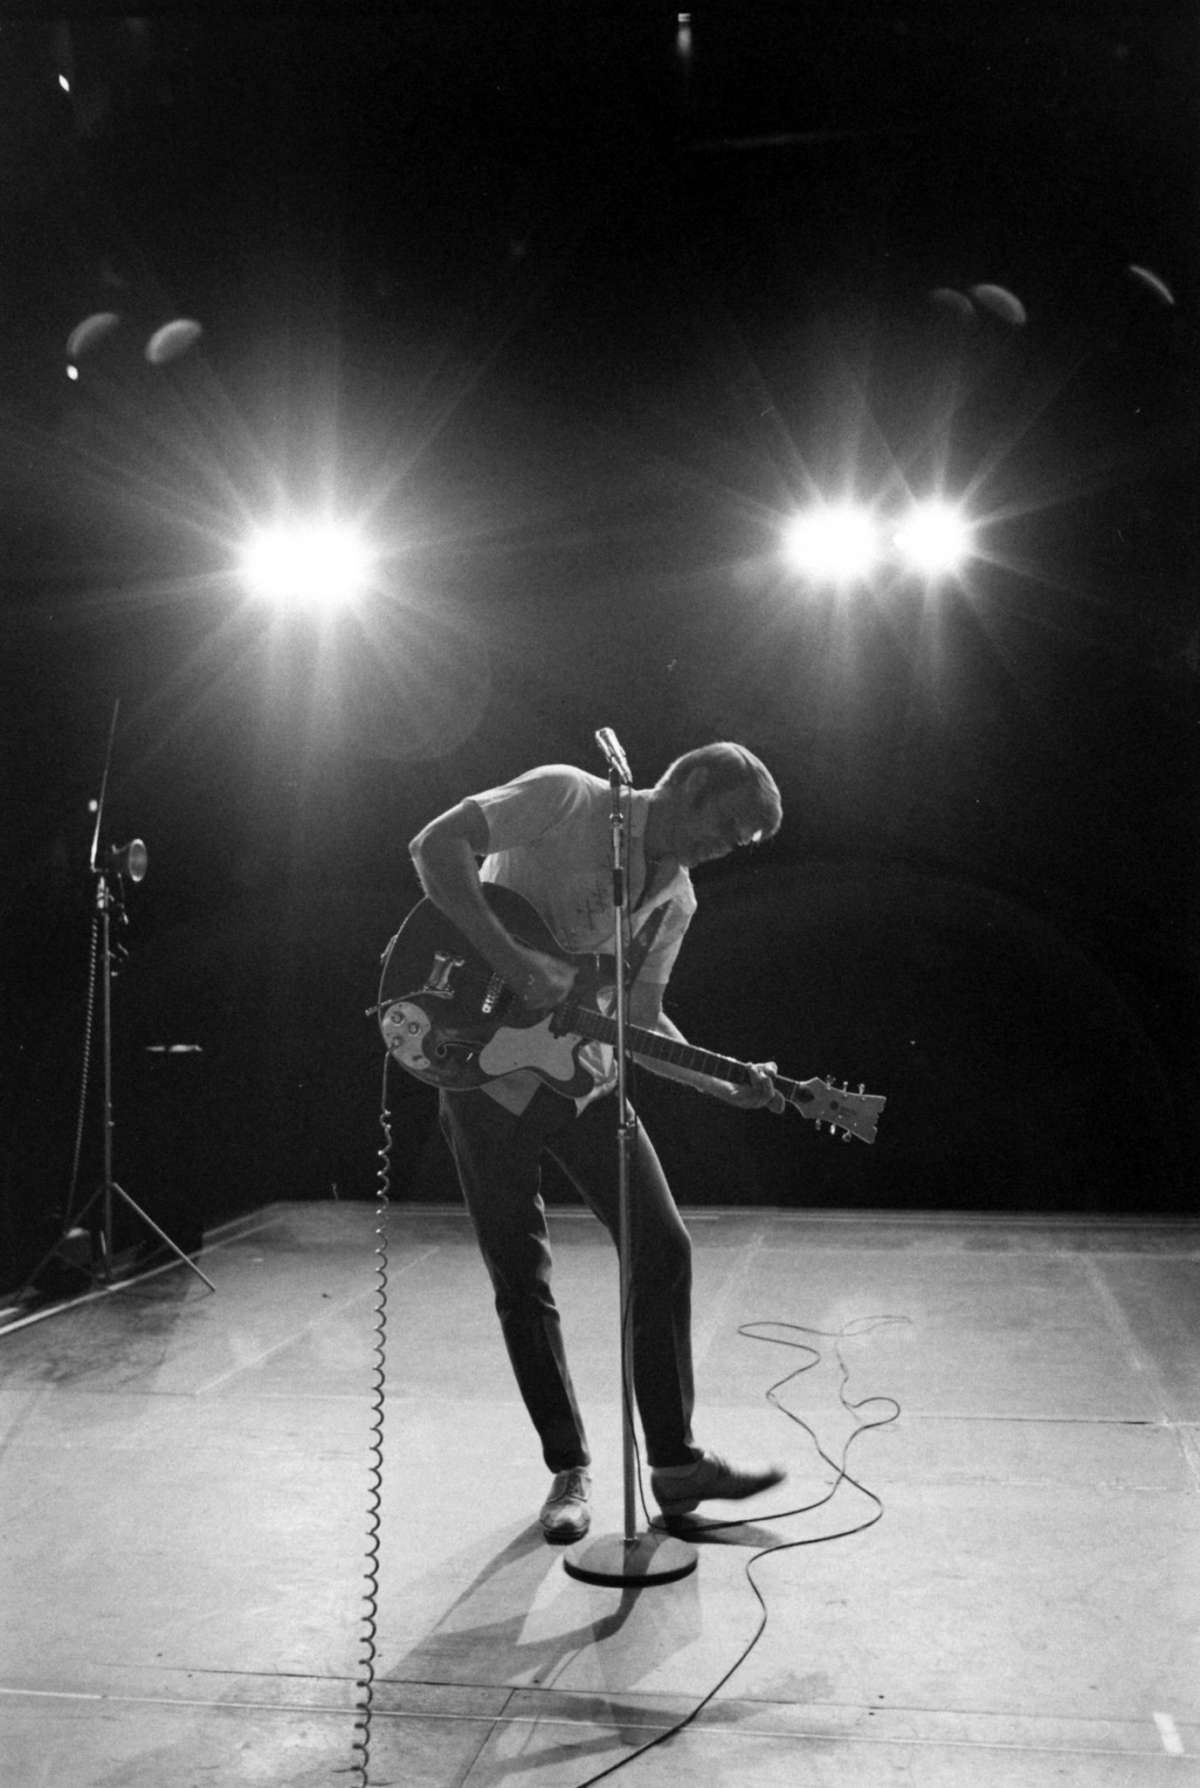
[(547, 835)]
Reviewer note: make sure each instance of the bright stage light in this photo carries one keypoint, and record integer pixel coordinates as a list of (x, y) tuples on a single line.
[(318, 566), (837, 544), (934, 539)]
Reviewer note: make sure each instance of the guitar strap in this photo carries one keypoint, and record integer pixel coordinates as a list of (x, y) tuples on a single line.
[(643, 942)]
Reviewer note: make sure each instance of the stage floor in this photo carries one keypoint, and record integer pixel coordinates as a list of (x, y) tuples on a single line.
[(185, 1479)]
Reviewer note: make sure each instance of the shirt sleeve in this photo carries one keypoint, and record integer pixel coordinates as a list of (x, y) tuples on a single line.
[(523, 810)]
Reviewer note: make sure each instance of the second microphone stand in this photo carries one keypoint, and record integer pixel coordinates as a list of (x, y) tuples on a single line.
[(109, 1190), (628, 1558), (109, 867)]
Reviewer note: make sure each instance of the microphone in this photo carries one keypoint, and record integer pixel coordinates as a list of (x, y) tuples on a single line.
[(610, 745)]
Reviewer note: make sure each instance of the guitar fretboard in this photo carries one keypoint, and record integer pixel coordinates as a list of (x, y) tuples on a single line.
[(585, 1021)]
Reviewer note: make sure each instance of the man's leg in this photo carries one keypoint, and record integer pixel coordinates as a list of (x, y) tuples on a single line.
[(682, 1475), (585, 1147), (496, 1154)]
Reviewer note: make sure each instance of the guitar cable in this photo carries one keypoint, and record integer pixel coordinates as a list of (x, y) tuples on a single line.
[(365, 1683)]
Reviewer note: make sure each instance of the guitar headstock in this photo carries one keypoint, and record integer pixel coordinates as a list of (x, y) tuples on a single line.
[(825, 1102)]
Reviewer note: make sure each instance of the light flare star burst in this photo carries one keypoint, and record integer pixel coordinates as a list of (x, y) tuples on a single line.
[(321, 566)]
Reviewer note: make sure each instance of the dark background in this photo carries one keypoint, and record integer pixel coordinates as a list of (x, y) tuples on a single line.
[(571, 307)]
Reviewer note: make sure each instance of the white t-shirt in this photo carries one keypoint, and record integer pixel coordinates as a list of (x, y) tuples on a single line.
[(550, 840)]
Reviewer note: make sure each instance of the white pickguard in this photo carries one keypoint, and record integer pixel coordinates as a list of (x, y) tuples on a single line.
[(535, 1047)]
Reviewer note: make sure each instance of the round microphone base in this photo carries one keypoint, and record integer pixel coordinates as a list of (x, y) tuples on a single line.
[(645, 1559)]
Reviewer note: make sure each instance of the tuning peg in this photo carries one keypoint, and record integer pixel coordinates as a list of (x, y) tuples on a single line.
[(862, 1086), (846, 1137)]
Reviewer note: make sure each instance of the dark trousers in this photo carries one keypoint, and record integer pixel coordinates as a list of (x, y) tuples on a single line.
[(498, 1157)]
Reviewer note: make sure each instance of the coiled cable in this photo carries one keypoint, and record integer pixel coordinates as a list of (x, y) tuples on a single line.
[(365, 1683)]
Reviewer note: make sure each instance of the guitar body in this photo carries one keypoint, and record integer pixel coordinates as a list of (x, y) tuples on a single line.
[(449, 1020)]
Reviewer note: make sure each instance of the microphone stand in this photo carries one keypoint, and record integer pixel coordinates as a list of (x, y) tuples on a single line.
[(109, 1189), (630, 1558), (107, 868)]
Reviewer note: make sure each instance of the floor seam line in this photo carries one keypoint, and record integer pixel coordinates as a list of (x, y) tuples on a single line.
[(1144, 1366), (494, 1721), (706, 1334), (500, 1718), (1119, 1323)]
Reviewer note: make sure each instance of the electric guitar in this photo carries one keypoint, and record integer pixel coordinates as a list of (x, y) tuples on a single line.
[(450, 1020)]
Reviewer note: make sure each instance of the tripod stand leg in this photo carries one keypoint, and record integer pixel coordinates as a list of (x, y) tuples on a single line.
[(161, 1234)]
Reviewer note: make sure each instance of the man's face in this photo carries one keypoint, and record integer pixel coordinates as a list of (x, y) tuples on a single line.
[(711, 826)]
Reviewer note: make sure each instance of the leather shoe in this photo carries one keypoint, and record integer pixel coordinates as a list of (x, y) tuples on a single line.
[(678, 1488), (565, 1515)]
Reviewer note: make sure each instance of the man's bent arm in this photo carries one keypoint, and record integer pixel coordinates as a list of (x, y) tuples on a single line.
[(444, 855)]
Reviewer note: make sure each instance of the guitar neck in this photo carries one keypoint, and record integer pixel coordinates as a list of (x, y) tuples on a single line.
[(587, 1022)]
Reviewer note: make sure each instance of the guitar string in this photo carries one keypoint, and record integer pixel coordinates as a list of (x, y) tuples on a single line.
[(599, 1026)]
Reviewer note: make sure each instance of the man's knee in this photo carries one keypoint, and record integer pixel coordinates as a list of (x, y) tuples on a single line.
[(521, 1279), (664, 1257)]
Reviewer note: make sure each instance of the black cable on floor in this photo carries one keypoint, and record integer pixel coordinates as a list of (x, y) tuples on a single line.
[(753, 1331)]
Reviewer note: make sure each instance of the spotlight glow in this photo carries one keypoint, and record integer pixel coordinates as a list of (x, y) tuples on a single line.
[(934, 539), (319, 566), (837, 544)]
